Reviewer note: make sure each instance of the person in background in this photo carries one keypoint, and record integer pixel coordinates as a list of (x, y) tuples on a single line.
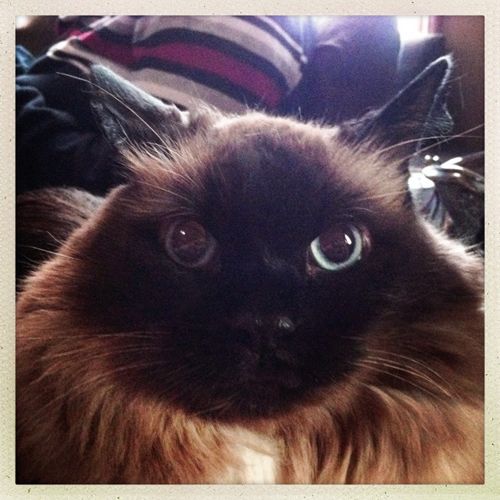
[(280, 64)]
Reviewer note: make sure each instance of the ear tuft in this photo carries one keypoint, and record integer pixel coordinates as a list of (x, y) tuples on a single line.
[(416, 112), (128, 115)]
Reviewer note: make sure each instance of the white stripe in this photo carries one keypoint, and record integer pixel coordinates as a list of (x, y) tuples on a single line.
[(237, 31), (122, 25), (227, 28), (273, 24), (119, 24), (203, 92), (161, 84), (169, 89), (58, 47)]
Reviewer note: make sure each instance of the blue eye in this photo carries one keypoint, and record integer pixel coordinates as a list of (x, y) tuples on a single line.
[(339, 247)]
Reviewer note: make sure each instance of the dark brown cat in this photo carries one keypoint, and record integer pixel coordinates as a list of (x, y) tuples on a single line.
[(259, 303)]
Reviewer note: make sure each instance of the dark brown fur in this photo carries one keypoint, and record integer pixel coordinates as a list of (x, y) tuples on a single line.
[(44, 220), (132, 369)]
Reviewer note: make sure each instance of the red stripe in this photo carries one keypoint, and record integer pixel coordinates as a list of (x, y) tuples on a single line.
[(69, 30), (77, 33), (191, 56)]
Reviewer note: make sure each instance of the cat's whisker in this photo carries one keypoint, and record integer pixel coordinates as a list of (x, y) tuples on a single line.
[(428, 138), (473, 247), (412, 360), (220, 408), (57, 240), (33, 264), (352, 337), (126, 333), (79, 337), (97, 353), (384, 195), (435, 144), (121, 102), (370, 367), (362, 209), (93, 383), (389, 364), (51, 252)]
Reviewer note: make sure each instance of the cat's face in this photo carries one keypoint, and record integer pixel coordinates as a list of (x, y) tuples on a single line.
[(254, 262), (250, 264)]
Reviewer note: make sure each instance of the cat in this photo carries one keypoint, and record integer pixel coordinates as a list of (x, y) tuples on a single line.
[(257, 303)]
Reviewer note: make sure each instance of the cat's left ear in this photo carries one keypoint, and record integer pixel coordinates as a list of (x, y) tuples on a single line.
[(128, 115), (414, 114)]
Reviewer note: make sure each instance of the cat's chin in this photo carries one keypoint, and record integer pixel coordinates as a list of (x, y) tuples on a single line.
[(261, 395), (253, 401)]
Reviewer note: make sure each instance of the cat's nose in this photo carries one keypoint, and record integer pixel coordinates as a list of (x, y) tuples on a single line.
[(275, 324), (284, 323)]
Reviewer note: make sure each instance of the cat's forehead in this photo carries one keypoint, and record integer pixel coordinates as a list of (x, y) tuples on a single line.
[(266, 173), (279, 157), (263, 158), (269, 169), (257, 147), (251, 128)]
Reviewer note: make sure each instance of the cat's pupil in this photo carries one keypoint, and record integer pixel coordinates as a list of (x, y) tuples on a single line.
[(337, 244), (340, 247), (189, 243)]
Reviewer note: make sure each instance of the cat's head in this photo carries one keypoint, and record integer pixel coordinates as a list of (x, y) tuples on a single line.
[(250, 257)]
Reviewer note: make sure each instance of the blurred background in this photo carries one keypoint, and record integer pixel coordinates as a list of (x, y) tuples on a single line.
[(422, 39)]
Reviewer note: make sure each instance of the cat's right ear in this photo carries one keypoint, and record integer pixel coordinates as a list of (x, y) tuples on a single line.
[(127, 115), (417, 112)]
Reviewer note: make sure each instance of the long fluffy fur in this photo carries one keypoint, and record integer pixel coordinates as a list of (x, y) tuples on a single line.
[(410, 411)]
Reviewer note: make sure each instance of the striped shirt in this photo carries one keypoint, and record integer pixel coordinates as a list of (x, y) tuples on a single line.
[(231, 62)]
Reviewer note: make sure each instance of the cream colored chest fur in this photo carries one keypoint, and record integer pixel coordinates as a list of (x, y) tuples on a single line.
[(256, 457)]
